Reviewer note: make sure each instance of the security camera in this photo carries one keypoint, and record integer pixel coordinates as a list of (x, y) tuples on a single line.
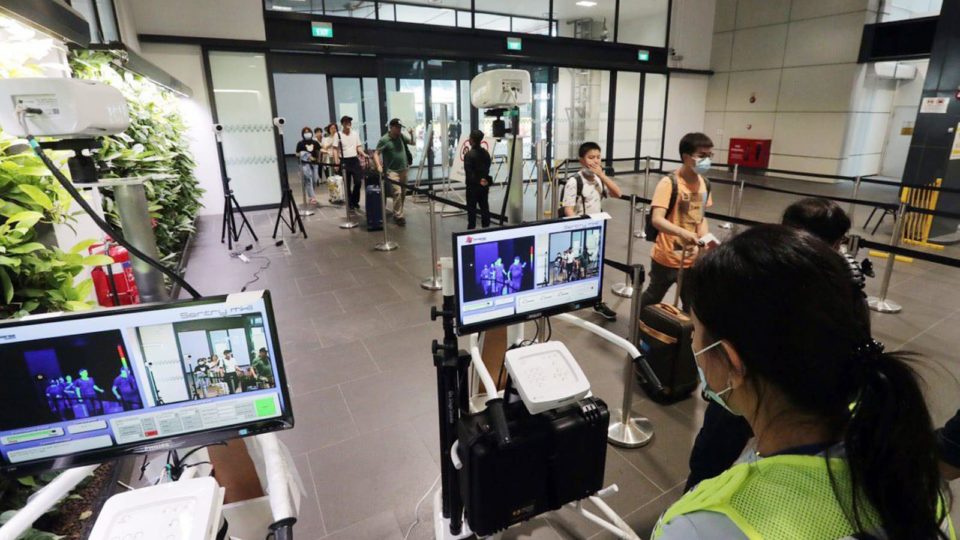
[(218, 132), (279, 121), (62, 108)]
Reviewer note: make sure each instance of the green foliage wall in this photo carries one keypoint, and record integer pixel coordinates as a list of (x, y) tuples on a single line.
[(155, 143)]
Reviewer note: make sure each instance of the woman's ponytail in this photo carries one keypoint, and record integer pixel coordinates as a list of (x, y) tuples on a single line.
[(891, 448)]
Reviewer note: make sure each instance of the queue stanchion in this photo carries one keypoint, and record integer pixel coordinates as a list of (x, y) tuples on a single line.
[(432, 283), (387, 244), (739, 189), (642, 233), (733, 196), (881, 303), (540, 163), (626, 289), (853, 203), (625, 430)]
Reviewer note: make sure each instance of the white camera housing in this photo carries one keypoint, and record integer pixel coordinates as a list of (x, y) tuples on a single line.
[(70, 108), (218, 128), (279, 121), (501, 88)]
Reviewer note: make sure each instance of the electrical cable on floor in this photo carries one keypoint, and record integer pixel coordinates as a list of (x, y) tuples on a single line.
[(416, 511), (101, 223)]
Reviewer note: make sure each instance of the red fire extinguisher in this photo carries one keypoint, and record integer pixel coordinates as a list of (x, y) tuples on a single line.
[(114, 283)]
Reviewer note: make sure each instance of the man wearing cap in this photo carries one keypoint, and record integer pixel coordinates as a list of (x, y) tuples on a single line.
[(348, 148), (391, 155)]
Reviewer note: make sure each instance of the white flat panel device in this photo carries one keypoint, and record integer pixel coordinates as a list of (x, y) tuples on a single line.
[(546, 376), (185, 510), (501, 88)]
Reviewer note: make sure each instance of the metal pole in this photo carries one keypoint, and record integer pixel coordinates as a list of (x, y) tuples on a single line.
[(626, 431), (432, 283), (853, 205), (555, 188), (131, 202), (386, 245), (625, 289), (642, 233), (736, 175), (733, 196), (539, 161), (349, 222), (880, 303)]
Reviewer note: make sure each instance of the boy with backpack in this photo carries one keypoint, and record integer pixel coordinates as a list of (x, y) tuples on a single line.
[(678, 214), (583, 194)]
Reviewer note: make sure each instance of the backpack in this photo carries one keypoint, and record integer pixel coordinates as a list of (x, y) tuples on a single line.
[(649, 231), (603, 195)]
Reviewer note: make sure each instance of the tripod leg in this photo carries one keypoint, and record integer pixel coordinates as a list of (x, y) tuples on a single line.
[(245, 223), (295, 212), (223, 224), (276, 226)]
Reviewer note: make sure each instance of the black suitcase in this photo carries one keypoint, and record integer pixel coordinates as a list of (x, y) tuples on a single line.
[(666, 342), (373, 203), (554, 458)]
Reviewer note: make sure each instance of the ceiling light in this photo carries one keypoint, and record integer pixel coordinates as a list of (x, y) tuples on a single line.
[(586, 3)]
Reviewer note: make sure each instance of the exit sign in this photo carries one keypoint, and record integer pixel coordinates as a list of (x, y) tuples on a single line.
[(643, 55), (514, 44), (321, 30)]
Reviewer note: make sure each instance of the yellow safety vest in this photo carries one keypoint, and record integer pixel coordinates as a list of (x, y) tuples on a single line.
[(781, 497)]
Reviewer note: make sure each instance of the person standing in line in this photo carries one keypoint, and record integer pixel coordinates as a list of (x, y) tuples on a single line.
[(679, 207), (308, 152), (476, 167), (583, 194), (348, 148), (230, 371), (125, 390), (392, 154)]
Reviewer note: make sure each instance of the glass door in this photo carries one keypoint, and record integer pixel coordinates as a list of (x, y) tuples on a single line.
[(358, 98)]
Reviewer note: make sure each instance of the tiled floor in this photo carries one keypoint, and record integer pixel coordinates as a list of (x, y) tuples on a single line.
[(355, 334)]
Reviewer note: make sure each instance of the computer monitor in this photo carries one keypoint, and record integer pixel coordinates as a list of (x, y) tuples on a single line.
[(511, 274), (86, 387)]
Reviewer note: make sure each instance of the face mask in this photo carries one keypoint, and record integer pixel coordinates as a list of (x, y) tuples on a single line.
[(716, 397), (308, 136), (703, 166)]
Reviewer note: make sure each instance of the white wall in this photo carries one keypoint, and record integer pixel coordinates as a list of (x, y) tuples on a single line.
[(227, 19), (903, 115), (185, 63), (691, 24), (787, 70), (686, 101), (302, 100)]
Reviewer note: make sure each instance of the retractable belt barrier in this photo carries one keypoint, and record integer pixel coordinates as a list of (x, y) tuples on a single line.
[(430, 194)]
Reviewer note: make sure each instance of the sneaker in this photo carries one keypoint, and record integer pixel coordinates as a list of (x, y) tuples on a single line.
[(605, 311), (401, 221)]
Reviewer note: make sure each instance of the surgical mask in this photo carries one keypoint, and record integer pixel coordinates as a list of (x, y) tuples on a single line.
[(703, 166), (308, 135), (716, 397)]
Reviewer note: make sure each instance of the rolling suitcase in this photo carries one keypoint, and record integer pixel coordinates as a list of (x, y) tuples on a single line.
[(666, 341), (373, 203)]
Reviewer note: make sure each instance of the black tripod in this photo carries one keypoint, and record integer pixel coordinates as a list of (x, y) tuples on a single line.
[(292, 221), (228, 229)]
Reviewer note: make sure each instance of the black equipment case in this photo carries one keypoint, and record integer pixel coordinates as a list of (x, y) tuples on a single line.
[(553, 458)]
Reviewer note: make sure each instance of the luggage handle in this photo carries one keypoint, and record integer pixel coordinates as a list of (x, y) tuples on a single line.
[(683, 260), (670, 340)]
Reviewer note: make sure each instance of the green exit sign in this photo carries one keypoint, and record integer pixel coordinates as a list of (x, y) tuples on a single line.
[(321, 30), (514, 44), (643, 55)]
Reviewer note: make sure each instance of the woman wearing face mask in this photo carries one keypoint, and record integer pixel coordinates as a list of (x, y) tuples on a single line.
[(308, 152), (844, 443)]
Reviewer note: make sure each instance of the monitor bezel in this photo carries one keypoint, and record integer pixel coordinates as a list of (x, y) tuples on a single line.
[(200, 438), (465, 329)]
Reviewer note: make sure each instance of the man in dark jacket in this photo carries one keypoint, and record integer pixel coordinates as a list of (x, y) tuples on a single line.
[(476, 166)]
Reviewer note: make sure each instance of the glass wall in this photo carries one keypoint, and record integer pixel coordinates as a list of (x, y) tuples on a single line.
[(625, 119), (359, 99), (592, 20), (580, 112), (242, 98), (654, 105), (643, 22)]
